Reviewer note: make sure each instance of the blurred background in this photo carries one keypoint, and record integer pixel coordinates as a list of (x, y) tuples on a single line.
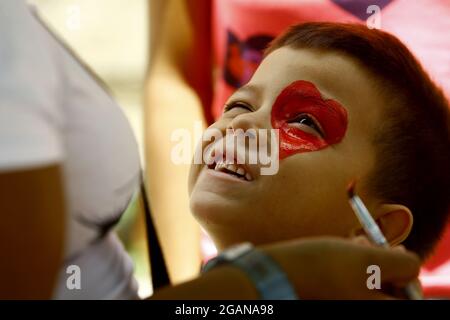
[(113, 40)]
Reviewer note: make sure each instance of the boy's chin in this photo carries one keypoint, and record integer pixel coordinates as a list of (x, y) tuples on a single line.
[(214, 210), (211, 212)]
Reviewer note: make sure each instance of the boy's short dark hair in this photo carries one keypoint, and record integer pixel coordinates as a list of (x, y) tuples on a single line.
[(413, 144)]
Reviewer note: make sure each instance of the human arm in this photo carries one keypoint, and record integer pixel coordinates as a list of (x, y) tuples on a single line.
[(318, 268), (171, 104), (31, 232)]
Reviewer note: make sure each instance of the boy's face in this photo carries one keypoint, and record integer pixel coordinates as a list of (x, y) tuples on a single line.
[(326, 108)]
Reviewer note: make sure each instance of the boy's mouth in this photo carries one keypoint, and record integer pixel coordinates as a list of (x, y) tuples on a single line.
[(236, 170), (234, 164)]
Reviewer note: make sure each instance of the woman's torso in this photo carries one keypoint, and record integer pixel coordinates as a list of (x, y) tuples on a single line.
[(92, 141)]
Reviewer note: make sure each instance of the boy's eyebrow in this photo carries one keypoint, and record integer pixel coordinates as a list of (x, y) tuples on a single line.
[(250, 89), (257, 91)]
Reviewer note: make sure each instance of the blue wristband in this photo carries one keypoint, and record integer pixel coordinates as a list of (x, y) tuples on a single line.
[(268, 278)]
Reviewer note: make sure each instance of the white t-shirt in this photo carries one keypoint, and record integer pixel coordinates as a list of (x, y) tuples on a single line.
[(53, 111)]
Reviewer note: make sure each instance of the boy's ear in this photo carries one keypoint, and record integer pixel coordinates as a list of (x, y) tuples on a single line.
[(395, 221)]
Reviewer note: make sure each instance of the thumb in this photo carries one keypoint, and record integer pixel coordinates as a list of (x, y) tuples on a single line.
[(398, 266)]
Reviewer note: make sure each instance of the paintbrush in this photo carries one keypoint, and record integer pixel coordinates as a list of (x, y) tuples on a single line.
[(375, 235)]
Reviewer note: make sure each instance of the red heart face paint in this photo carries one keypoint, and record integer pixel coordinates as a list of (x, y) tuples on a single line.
[(303, 98)]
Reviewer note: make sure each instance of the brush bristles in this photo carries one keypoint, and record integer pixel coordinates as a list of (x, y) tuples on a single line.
[(351, 189)]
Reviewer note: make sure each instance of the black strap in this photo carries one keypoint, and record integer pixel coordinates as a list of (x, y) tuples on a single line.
[(160, 276)]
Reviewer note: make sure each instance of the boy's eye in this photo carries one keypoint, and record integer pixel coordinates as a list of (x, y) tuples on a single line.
[(235, 105), (308, 124)]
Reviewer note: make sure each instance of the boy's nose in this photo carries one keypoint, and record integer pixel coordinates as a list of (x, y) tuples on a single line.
[(246, 121)]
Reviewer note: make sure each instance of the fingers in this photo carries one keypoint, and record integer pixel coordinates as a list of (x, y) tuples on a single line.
[(414, 290), (396, 265), (397, 276), (402, 267), (362, 240)]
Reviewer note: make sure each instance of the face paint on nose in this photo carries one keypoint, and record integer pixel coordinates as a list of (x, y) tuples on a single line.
[(302, 97)]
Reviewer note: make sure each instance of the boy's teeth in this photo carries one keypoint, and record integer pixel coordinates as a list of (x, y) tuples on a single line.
[(218, 166), (232, 167)]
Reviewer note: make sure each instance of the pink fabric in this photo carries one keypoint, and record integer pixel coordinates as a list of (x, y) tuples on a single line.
[(246, 18), (423, 25)]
